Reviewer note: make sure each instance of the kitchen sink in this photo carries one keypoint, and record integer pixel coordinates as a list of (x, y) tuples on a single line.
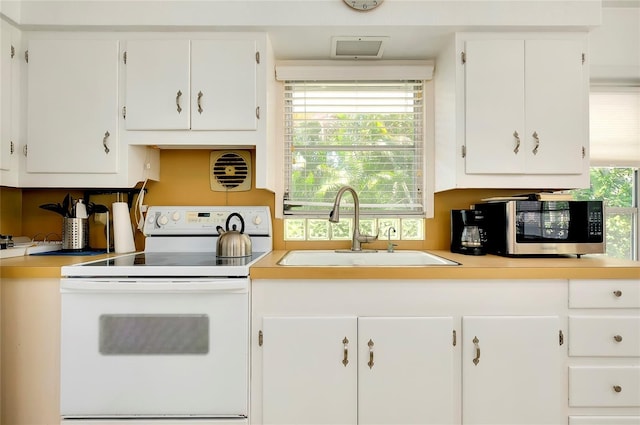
[(368, 258)]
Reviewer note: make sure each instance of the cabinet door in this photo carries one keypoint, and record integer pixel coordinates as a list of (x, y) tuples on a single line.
[(306, 379), (494, 106), (157, 85), (405, 370), (556, 107), (72, 124), (6, 149), (512, 370), (223, 78)]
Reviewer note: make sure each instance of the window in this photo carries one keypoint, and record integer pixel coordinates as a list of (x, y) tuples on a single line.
[(365, 134), (618, 188), (615, 158)]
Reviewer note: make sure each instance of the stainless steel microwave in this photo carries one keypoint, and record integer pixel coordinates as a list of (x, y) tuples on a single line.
[(523, 227)]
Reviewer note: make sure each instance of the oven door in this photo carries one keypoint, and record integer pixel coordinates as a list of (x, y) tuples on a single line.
[(150, 348)]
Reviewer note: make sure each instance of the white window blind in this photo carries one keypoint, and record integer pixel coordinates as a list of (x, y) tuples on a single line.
[(614, 126), (365, 134)]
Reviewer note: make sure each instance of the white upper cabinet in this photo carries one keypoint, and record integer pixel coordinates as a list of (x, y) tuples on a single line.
[(223, 85), (9, 99), (556, 132), (72, 117), (157, 85), (201, 90), (72, 103), (197, 85), (209, 85), (494, 106), (512, 112)]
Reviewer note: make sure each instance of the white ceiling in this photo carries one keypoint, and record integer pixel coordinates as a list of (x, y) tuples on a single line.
[(302, 29)]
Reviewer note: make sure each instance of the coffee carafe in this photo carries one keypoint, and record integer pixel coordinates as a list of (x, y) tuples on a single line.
[(468, 234)]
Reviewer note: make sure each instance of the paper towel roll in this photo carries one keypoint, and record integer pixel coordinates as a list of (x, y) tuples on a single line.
[(122, 232)]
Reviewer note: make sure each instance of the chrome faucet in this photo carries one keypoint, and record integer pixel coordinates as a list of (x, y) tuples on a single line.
[(334, 217), (391, 245)]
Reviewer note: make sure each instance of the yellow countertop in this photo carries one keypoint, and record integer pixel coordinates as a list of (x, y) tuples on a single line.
[(42, 266), (472, 267)]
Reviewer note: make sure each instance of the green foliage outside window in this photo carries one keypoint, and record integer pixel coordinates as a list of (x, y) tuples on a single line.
[(366, 151), (617, 188)]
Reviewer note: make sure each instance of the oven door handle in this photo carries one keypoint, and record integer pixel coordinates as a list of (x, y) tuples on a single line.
[(232, 286)]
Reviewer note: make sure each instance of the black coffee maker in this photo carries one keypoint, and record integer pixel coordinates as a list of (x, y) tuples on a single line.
[(468, 232)]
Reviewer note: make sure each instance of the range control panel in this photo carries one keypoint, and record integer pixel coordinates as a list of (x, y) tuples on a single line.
[(203, 220)]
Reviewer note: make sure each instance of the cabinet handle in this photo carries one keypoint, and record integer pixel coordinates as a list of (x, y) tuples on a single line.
[(537, 140), (618, 294), (345, 358), (258, 112), (617, 388), (618, 338), (476, 360), (178, 107), (370, 363), (517, 148), (104, 142), (200, 102)]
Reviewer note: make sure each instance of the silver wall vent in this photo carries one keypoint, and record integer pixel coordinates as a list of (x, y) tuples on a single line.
[(357, 47)]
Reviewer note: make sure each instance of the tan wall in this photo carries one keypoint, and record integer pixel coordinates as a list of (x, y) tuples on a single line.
[(184, 180), (10, 211)]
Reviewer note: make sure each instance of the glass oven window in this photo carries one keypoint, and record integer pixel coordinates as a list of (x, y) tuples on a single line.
[(168, 334)]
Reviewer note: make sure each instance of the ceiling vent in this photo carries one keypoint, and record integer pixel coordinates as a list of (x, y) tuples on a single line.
[(357, 47), (230, 171)]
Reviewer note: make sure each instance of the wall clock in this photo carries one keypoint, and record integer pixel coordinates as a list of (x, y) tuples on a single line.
[(363, 5)]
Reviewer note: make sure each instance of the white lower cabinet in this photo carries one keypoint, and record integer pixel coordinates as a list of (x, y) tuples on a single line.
[(604, 420), (304, 379), (350, 370), (408, 352), (612, 386), (512, 370), (604, 352)]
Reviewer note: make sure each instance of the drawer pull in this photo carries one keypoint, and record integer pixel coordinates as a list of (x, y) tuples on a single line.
[(345, 357), (618, 338), (617, 388), (476, 342), (370, 363), (618, 294)]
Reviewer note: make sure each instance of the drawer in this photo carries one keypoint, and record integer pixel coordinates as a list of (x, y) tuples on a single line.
[(604, 420), (604, 293), (604, 386), (617, 336)]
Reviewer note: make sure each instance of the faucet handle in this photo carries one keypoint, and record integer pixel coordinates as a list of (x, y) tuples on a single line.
[(367, 238)]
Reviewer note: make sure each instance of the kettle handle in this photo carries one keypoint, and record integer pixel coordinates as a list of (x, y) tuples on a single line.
[(235, 214)]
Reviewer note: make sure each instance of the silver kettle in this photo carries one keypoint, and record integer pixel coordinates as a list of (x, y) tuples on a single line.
[(231, 242)]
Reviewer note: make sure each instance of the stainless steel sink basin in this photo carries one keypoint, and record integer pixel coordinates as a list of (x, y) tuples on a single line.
[(363, 258)]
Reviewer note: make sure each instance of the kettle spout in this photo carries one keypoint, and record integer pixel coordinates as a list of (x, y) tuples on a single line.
[(220, 230)]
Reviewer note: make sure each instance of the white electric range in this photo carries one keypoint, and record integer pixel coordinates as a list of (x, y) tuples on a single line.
[(162, 335)]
